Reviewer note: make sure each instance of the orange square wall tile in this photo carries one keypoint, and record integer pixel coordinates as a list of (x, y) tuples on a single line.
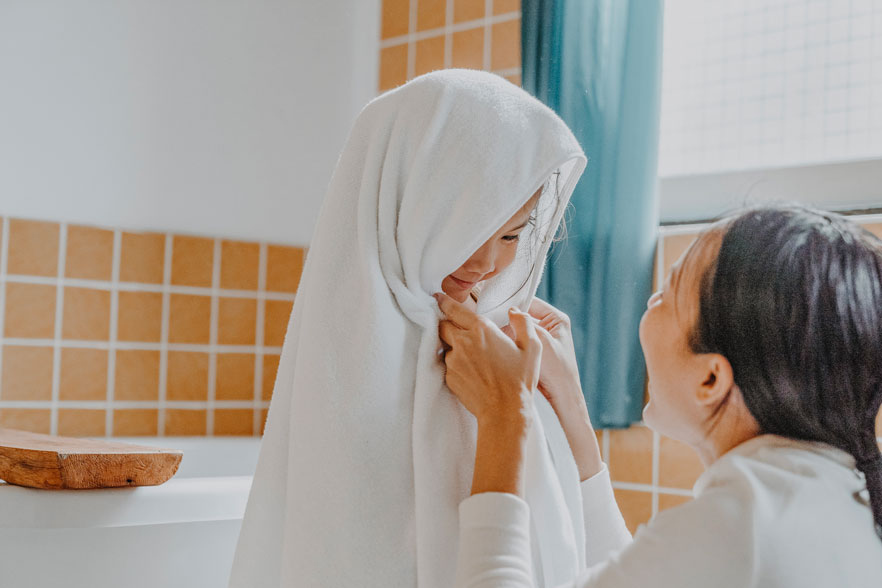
[(189, 319), (83, 374), (236, 321), (505, 51), (283, 268), (135, 422), (239, 265), (233, 421), (879, 424), (630, 455), (506, 6), (136, 376), (86, 314), (599, 434), (33, 248), (80, 422), (636, 507), (187, 376), (514, 79), (466, 10), (393, 67), (142, 258), (666, 501), (30, 311), (431, 14), (270, 368), (89, 253), (396, 18), (139, 316), (429, 55), (235, 376), (276, 322), (674, 247), (468, 49), (192, 261), (27, 373), (678, 465), (184, 421), (35, 420)]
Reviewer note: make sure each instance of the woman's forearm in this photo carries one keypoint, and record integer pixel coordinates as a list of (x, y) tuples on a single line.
[(499, 455)]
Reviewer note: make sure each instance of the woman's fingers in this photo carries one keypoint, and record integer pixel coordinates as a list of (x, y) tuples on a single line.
[(448, 332), (524, 329), (456, 312)]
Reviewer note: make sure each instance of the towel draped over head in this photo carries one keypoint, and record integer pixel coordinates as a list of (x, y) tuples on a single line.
[(366, 454)]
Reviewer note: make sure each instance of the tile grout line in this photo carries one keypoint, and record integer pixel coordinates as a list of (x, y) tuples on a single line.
[(212, 337), (4, 255), (415, 36), (488, 16), (139, 287), (259, 337), (114, 328), (140, 346), (103, 404), (163, 337), (656, 443), (56, 342), (448, 34), (411, 38)]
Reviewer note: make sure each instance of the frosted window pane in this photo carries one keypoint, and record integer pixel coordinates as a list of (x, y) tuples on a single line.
[(769, 83)]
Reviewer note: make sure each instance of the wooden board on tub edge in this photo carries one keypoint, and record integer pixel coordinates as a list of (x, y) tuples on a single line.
[(51, 462)]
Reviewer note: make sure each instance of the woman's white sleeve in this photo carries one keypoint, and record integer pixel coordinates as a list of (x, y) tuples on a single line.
[(494, 542), (678, 549), (605, 530), (494, 535)]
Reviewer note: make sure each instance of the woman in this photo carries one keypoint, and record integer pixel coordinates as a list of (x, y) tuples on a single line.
[(764, 350), (455, 181)]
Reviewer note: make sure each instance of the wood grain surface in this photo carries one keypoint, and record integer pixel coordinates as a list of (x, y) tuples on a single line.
[(50, 462)]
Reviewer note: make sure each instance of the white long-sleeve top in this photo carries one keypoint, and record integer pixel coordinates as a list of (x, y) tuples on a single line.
[(771, 513)]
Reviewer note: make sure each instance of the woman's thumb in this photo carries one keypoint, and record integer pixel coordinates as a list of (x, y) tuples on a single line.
[(523, 327)]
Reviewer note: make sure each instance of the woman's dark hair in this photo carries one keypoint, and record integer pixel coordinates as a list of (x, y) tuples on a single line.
[(794, 302)]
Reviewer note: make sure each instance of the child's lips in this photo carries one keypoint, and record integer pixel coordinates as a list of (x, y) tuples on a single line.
[(462, 283)]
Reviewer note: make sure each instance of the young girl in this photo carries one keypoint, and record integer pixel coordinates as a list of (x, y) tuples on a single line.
[(454, 181), (764, 352)]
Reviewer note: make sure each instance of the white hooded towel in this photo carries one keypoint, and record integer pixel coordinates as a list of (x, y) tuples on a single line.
[(366, 454)]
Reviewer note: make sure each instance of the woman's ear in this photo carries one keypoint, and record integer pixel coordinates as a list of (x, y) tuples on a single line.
[(717, 382)]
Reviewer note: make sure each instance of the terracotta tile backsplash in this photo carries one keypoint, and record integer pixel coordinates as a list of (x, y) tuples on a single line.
[(440, 34), (109, 332)]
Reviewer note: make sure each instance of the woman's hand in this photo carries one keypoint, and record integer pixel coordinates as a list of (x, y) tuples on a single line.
[(559, 383), (559, 374), (494, 377)]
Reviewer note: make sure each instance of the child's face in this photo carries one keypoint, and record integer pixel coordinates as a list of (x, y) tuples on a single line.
[(678, 378), (492, 257)]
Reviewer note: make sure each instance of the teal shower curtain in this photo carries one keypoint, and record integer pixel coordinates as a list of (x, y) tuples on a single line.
[(597, 63)]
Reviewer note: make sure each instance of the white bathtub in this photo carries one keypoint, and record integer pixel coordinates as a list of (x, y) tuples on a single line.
[(181, 534)]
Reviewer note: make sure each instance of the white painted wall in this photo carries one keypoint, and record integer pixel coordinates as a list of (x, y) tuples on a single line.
[(216, 117)]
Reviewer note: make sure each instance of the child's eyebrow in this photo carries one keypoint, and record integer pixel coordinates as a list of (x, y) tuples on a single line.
[(522, 225)]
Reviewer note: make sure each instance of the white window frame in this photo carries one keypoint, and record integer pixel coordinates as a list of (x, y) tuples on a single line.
[(839, 186)]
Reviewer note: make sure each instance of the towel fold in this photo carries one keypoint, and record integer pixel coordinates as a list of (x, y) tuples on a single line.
[(366, 454)]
